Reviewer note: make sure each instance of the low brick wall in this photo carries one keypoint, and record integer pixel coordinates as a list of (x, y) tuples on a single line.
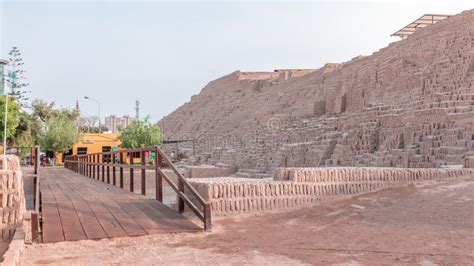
[(12, 197), (366, 174), (207, 171), (297, 187)]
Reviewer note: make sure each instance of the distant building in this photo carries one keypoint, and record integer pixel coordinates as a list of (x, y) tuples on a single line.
[(93, 143), (114, 123)]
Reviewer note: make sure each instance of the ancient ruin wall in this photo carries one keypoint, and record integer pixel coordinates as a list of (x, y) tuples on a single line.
[(407, 105), (12, 198), (298, 187)]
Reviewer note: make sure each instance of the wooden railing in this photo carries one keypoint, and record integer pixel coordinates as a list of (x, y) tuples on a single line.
[(99, 165), (35, 224)]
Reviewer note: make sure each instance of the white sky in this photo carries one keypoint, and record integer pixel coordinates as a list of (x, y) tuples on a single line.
[(163, 53)]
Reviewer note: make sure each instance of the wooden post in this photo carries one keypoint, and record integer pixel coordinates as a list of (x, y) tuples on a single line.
[(121, 170), (93, 166), (98, 166), (143, 183), (112, 156), (36, 199), (180, 200), (89, 161), (131, 171), (158, 178), (103, 167), (35, 179), (34, 226), (37, 159), (108, 167), (207, 217)]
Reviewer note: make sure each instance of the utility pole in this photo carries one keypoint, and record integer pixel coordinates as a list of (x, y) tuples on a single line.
[(98, 107), (137, 109), (4, 88)]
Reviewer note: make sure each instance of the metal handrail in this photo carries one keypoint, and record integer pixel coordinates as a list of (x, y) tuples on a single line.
[(98, 165)]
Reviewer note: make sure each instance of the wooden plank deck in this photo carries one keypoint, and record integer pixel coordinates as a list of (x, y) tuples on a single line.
[(75, 207)]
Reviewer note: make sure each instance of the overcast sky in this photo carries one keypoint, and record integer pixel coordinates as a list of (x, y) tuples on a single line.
[(163, 53)]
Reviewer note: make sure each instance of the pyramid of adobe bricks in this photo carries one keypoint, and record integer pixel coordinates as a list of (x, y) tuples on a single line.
[(410, 104)]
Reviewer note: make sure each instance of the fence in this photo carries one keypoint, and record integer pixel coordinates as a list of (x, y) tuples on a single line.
[(100, 165)]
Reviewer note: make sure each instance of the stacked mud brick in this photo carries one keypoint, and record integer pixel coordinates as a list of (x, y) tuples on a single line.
[(296, 187), (410, 105), (203, 171), (12, 198)]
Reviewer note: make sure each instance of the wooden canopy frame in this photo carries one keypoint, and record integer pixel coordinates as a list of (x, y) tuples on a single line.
[(424, 21)]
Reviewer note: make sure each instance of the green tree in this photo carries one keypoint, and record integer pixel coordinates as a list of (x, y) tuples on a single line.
[(13, 118), (27, 133), (59, 134), (140, 133), (44, 110), (31, 126), (20, 83)]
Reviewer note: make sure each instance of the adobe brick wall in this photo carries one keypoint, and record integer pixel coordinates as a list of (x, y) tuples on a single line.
[(204, 171), (469, 162), (305, 186), (410, 104), (366, 174), (12, 198)]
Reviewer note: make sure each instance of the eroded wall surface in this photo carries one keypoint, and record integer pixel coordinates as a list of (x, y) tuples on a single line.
[(407, 105), (297, 187), (12, 198)]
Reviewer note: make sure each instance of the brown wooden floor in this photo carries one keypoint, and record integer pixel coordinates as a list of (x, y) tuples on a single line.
[(75, 207)]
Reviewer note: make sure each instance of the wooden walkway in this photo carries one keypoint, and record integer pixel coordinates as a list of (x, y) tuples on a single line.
[(75, 207)]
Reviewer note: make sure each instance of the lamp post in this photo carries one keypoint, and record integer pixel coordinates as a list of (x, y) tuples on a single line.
[(3, 63), (98, 107)]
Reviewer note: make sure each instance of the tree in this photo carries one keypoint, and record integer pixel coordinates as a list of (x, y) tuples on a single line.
[(13, 118), (59, 135), (43, 111), (140, 133), (27, 133), (31, 126), (19, 83), (87, 124)]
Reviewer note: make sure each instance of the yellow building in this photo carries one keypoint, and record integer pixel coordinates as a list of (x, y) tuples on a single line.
[(89, 143), (93, 143)]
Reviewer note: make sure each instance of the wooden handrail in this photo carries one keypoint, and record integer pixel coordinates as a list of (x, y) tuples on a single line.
[(98, 165), (181, 177), (36, 212)]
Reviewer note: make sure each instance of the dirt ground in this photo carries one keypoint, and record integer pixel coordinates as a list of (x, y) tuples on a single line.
[(425, 224)]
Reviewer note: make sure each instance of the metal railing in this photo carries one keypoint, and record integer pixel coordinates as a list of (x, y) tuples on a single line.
[(99, 165)]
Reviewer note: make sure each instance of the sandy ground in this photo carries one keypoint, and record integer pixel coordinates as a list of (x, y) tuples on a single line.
[(425, 225)]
